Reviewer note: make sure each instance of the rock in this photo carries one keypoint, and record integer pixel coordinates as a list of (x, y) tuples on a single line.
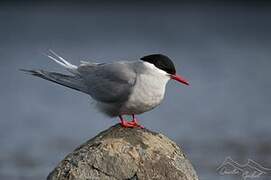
[(125, 154)]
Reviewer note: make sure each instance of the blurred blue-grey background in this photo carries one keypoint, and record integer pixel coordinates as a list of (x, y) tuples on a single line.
[(222, 48)]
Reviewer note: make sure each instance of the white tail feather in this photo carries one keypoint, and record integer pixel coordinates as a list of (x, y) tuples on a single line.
[(62, 59), (58, 59), (58, 62)]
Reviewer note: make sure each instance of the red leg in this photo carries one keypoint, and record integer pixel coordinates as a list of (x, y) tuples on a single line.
[(125, 123), (128, 124), (135, 122), (134, 119)]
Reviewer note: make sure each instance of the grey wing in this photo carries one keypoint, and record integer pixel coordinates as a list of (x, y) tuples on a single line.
[(108, 82)]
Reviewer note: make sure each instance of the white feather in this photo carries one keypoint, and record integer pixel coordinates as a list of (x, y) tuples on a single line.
[(60, 60), (148, 91)]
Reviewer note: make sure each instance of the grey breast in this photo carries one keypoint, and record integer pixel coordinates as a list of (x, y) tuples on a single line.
[(109, 82)]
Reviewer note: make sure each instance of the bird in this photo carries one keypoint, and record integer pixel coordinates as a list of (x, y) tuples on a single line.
[(120, 88)]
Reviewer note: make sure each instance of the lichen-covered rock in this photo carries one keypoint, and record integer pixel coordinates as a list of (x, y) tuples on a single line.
[(125, 153)]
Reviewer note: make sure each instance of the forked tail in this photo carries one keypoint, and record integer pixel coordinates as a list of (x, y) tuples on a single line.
[(74, 81)]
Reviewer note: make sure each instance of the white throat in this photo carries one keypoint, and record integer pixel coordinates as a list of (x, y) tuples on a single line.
[(149, 89)]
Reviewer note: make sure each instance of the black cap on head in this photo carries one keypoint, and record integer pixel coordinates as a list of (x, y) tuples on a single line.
[(160, 61)]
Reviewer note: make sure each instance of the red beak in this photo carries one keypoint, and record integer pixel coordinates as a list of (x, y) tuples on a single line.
[(177, 77)]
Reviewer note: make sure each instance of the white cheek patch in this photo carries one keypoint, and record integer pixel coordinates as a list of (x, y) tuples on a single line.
[(154, 68)]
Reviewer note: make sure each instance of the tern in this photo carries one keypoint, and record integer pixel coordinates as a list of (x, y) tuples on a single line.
[(118, 88)]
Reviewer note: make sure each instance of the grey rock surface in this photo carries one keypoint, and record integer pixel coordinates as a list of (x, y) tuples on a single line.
[(125, 153)]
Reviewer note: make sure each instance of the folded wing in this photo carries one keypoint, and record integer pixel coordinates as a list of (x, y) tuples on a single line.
[(108, 82)]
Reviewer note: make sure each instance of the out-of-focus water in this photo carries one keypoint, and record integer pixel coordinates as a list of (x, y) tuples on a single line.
[(223, 50)]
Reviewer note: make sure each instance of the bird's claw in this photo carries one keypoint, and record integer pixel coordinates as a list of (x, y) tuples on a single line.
[(131, 124)]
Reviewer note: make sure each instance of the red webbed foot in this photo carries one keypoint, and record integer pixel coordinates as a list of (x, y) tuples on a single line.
[(134, 123)]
